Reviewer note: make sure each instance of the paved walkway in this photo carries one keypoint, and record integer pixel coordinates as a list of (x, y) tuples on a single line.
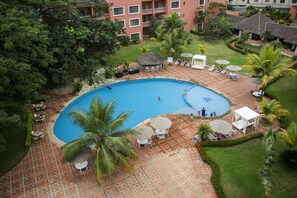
[(170, 168)]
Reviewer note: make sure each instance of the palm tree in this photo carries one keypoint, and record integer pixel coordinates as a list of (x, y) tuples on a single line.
[(268, 64), (145, 48), (272, 109), (172, 43), (290, 136), (100, 129), (203, 131), (202, 48), (171, 22)]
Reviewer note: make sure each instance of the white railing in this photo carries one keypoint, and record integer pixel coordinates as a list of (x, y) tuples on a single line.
[(147, 10), (160, 9)]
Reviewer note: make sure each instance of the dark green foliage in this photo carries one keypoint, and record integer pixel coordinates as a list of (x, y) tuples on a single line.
[(237, 44), (2, 143), (77, 86), (250, 10), (218, 27), (29, 130), (289, 159), (266, 36), (228, 43), (123, 40), (230, 7), (226, 143)]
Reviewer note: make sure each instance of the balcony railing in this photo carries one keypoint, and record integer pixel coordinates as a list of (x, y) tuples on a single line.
[(263, 5), (146, 23), (147, 10), (159, 9)]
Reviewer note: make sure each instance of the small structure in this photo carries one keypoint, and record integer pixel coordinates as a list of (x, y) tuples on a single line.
[(150, 61), (245, 119), (198, 61)]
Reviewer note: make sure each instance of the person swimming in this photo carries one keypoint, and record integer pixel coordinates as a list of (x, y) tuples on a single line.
[(159, 98), (108, 87)]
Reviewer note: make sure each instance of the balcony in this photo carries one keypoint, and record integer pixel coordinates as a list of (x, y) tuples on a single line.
[(146, 23), (160, 9), (150, 10)]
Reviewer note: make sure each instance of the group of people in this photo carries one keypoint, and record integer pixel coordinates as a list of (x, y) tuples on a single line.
[(204, 114)]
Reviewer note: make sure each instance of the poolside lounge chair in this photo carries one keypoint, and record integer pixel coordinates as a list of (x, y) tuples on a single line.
[(211, 137), (183, 63), (177, 62), (224, 71), (188, 64), (211, 69)]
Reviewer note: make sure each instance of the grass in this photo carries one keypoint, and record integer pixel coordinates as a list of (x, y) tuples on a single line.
[(240, 167), (15, 150), (251, 47), (285, 90), (214, 50)]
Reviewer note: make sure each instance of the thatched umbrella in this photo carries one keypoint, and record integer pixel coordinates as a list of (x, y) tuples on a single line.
[(150, 59), (133, 65)]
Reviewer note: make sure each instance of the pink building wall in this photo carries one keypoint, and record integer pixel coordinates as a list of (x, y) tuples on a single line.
[(187, 10)]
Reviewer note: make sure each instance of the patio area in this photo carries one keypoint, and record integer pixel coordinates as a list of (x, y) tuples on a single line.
[(170, 168)]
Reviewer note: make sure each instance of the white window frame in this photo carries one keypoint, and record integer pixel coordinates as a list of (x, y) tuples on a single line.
[(135, 33), (118, 14), (174, 2), (124, 23), (134, 12), (134, 25), (201, 4)]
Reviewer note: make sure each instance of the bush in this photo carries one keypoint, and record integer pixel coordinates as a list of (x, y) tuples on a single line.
[(124, 40), (29, 130), (228, 43), (289, 159), (77, 86), (226, 143), (197, 32)]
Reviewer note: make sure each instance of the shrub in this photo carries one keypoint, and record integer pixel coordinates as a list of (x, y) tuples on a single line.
[(228, 43), (29, 129), (237, 44), (153, 39), (226, 143), (289, 159), (124, 40), (77, 86)]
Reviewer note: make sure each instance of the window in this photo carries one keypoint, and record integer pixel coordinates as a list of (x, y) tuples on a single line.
[(135, 36), (267, 0), (134, 9), (123, 23), (156, 5), (174, 4), (255, 1), (201, 2), (134, 22), (294, 1), (282, 1), (118, 11)]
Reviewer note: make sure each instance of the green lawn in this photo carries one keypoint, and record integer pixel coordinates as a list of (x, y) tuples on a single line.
[(285, 90), (240, 167), (15, 150), (215, 50)]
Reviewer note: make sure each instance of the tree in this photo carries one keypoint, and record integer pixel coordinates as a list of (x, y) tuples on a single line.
[(100, 129), (170, 23), (172, 43), (290, 136), (266, 36), (245, 35), (268, 64), (218, 27), (250, 10), (272, 109), (203, 131)]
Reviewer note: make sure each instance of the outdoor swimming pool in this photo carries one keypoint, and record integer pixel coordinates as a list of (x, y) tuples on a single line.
[(140, 97)]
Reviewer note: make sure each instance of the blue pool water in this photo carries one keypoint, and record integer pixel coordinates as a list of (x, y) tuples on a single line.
[(140, 97)]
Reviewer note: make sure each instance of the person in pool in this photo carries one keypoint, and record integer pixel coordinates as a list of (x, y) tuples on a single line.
[(185, 92)]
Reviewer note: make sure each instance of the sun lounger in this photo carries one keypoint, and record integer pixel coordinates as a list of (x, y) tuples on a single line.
[(211, 69), (224, 71), (177, 62), (211, 137), (188, 64), (183, 63)]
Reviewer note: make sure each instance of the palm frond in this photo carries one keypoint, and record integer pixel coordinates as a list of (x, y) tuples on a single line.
[(118, 121), (107, 162), (74, 148), (80, 118)]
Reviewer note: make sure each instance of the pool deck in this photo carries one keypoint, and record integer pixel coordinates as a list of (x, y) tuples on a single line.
[(169, 168)]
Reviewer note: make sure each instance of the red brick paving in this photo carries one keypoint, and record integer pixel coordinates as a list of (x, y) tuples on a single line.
[(170, 168)]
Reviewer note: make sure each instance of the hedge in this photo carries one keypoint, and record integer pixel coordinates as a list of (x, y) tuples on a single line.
[(29, 130), (216, 174), (230, 41)]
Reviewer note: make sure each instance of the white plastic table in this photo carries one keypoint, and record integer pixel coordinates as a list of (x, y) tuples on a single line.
[(142, 141), (160, 131), (81, 165)]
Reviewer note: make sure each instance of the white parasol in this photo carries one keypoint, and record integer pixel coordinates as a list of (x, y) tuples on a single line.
[(186, 55), (143, 132), (221, 126), (234, 68), (161, 123)]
